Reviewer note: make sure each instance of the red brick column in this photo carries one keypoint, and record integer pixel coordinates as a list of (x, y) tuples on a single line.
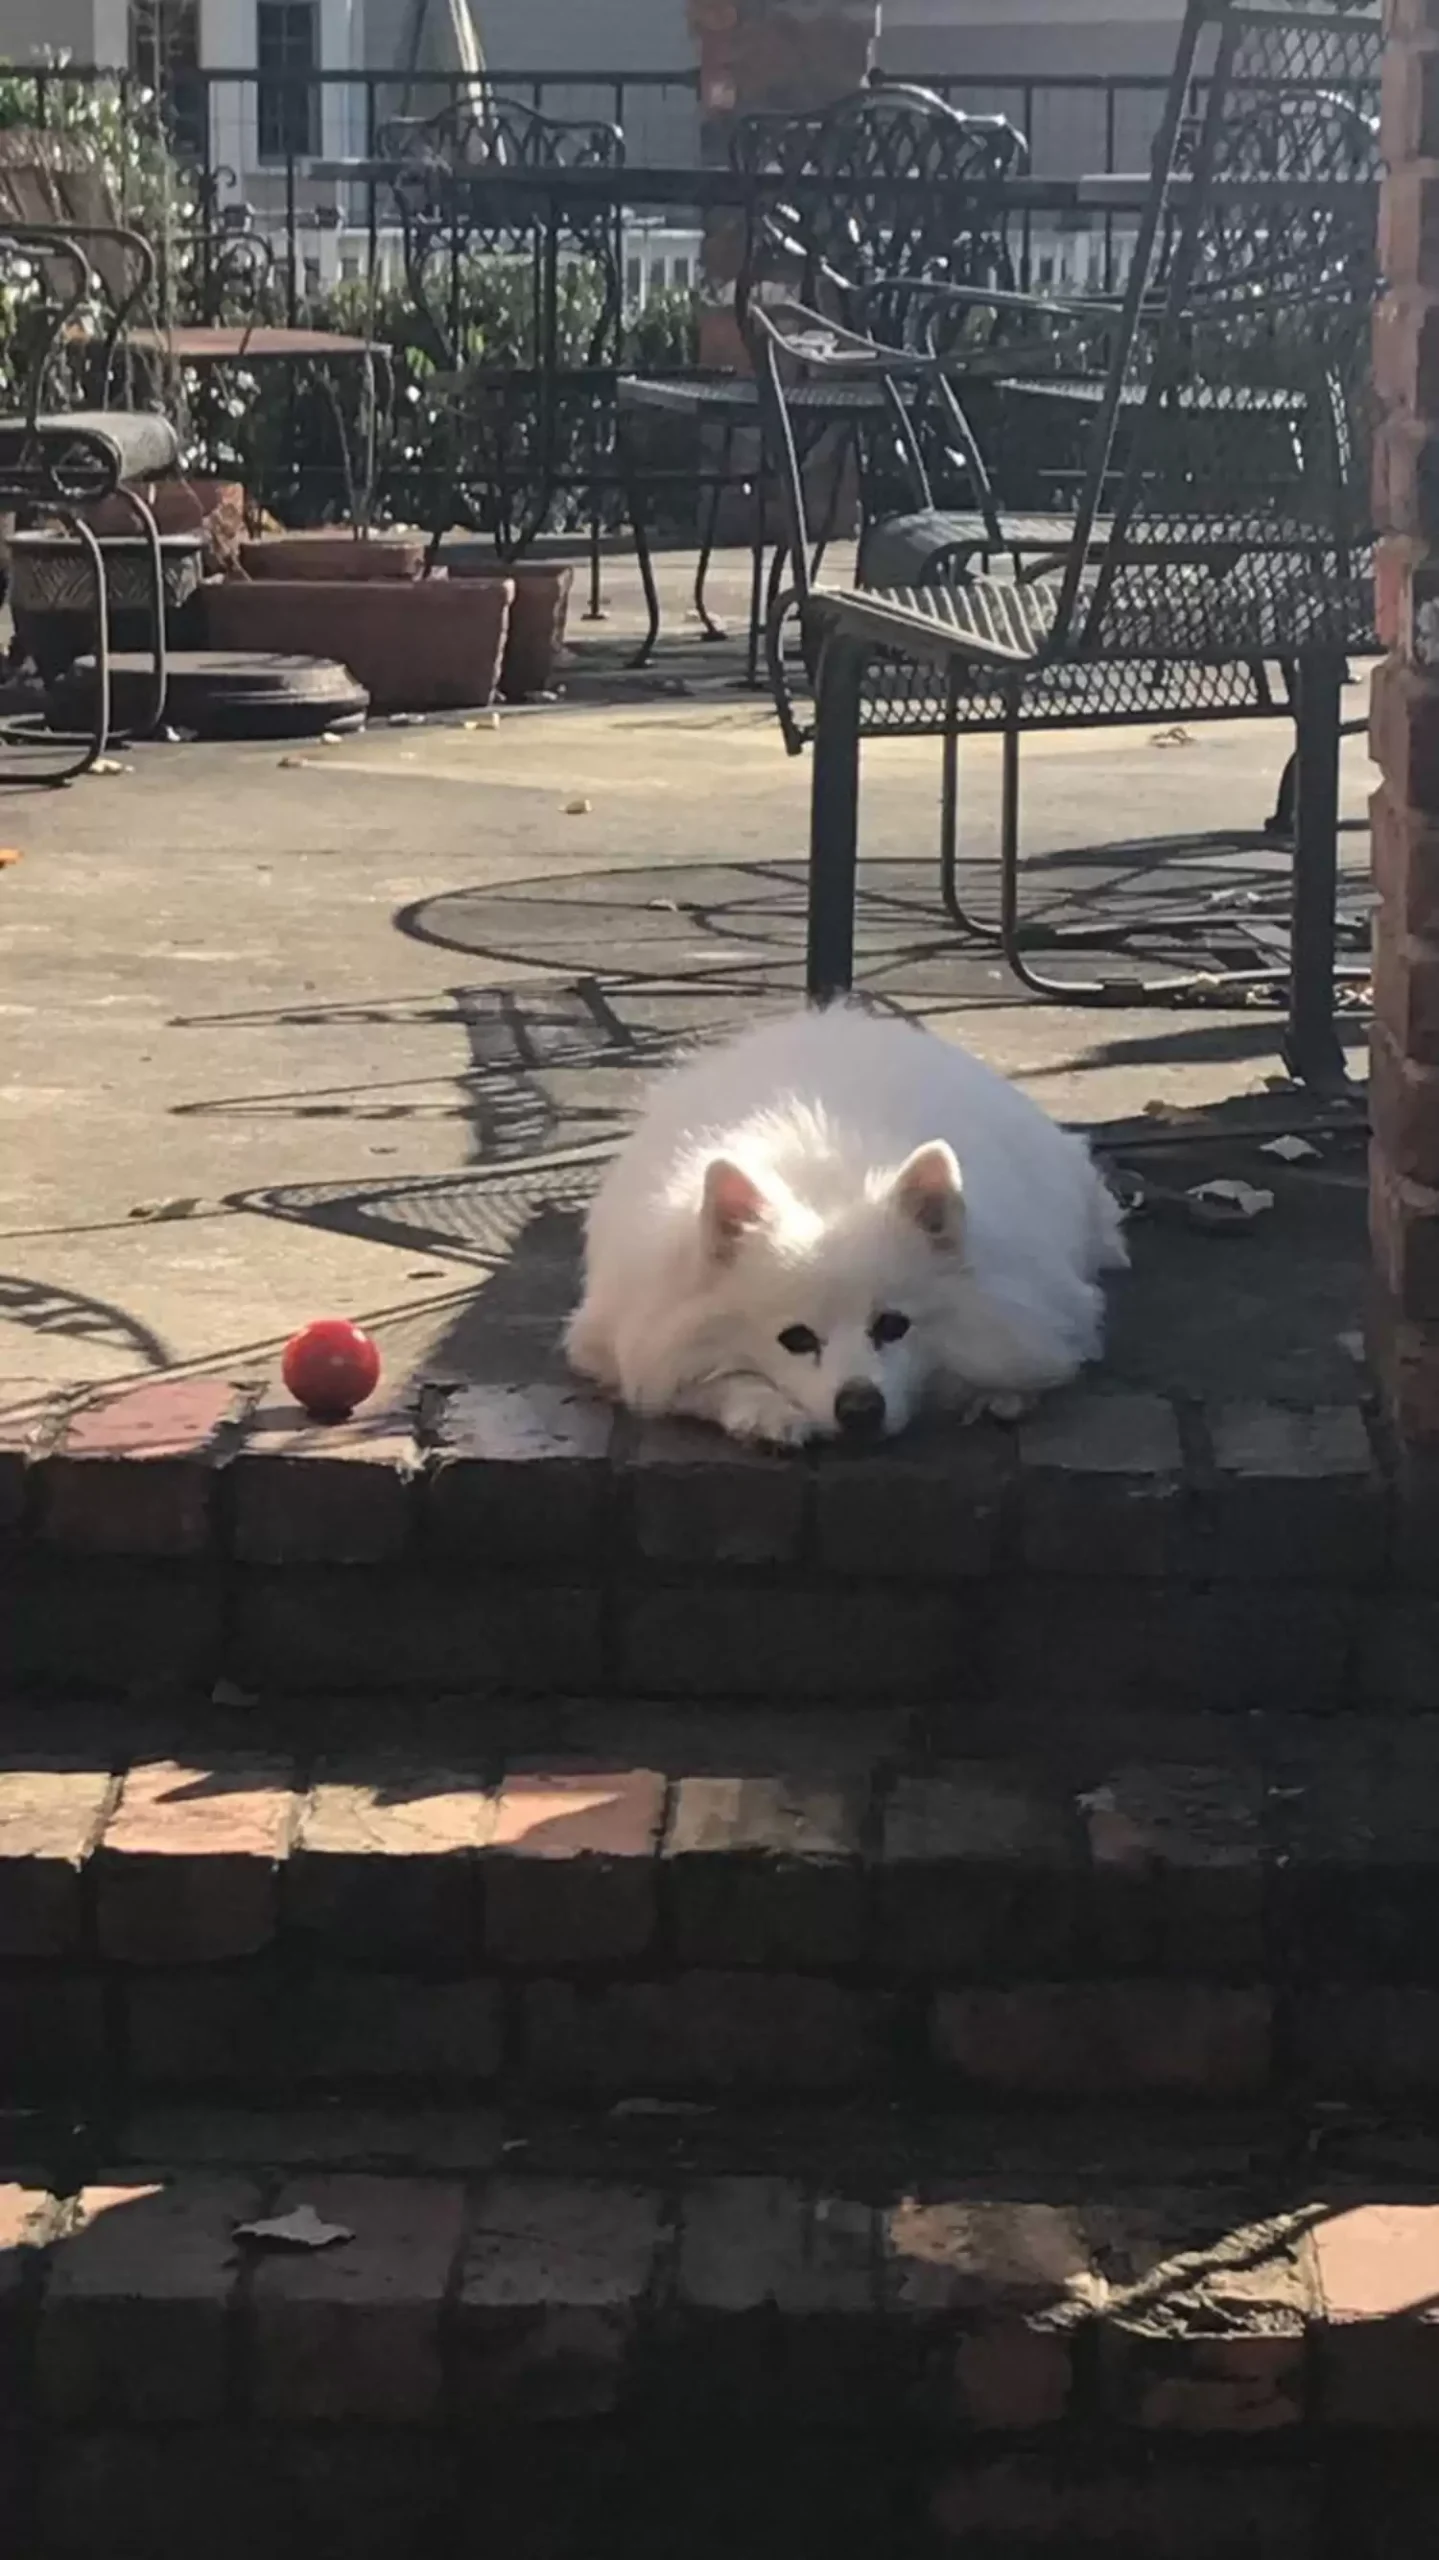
[(1404, 1164), (759, 54)]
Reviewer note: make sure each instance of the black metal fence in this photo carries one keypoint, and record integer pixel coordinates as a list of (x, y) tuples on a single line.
[(263, 144)]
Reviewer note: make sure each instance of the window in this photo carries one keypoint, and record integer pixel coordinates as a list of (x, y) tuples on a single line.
[(680, 275), (286, 47), (165, 52)]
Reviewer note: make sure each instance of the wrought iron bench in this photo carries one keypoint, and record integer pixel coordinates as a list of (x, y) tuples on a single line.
[(1222, 528)]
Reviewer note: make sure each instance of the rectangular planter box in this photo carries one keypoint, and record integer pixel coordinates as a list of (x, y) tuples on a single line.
[(423, 645), (328, 556)]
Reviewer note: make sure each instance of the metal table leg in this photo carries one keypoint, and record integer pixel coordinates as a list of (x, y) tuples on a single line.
[(834, 820), (1312, 1049)]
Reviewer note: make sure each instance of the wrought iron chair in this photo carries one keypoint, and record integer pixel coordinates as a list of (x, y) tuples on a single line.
[(60, 461), (1226, 547), (884, 184), (529, 422)]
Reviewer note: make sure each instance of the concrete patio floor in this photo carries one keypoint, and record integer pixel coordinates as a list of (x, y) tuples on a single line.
[(350, 1027)]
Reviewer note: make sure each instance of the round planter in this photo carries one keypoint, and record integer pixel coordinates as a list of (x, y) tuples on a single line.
[(52, 594), (220, 694), (334, 558), (537, 617), (415, 645)]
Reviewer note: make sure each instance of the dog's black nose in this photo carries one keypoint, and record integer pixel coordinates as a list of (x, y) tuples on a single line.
[(859, 1409)]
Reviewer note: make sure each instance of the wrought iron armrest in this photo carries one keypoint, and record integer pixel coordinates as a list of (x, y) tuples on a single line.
[(239, 261), (46, 242), (824, 346), (66, 237)]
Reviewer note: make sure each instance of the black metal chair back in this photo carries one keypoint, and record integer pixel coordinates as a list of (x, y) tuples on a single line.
[(882, 179), (449, 217), (1234, 421)]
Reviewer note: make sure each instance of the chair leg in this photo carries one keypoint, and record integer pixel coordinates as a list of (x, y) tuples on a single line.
[(1312, 1049), (1280, 821), (712, 630), (834, 821), (144, 516), (95, 745), (958, 914), (646, 567), (756, 581)]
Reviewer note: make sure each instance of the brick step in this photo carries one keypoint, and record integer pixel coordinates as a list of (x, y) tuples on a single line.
[(694, 1904), (521, 1538), (1190, 2342)]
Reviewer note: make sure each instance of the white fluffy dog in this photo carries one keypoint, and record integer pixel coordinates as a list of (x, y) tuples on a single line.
[(833, 1219)]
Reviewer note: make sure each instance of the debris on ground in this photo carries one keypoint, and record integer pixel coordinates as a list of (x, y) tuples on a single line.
[(1098, 1800), (228, 1693), (1290, 1150), (110, 764), (577, 808), (1353, 1343), (1175, 737), (153, 1211), (1224, 1204), (9, 853), (302, 2229), (624, 2108)]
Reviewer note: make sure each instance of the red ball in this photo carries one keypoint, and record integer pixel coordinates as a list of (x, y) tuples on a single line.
[(330, 1366)]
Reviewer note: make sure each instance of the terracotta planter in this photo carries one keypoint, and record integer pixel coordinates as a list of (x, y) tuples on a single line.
[(215, 509), (415, 645), (332, 557), (537, 617)]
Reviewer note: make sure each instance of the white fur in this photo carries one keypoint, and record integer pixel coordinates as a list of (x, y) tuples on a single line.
[(822, 1171)]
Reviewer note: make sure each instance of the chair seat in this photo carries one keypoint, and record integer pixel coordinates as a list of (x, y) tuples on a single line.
[(1255, 605), (83, 453), (902, 551), (735, 397)]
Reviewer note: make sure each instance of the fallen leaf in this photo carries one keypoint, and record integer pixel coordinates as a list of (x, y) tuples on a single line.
[(152, 1211), (1289, 1150), (301, 2229), (1161, 1110), (9, 853), (1175, 737), (577, 808)]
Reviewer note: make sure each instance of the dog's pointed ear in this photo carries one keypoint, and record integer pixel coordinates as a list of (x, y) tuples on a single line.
[(929, 1190), (732, 1205)]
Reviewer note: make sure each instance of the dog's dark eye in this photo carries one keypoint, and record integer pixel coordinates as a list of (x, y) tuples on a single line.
[(799, 1339), (890, 1327)]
